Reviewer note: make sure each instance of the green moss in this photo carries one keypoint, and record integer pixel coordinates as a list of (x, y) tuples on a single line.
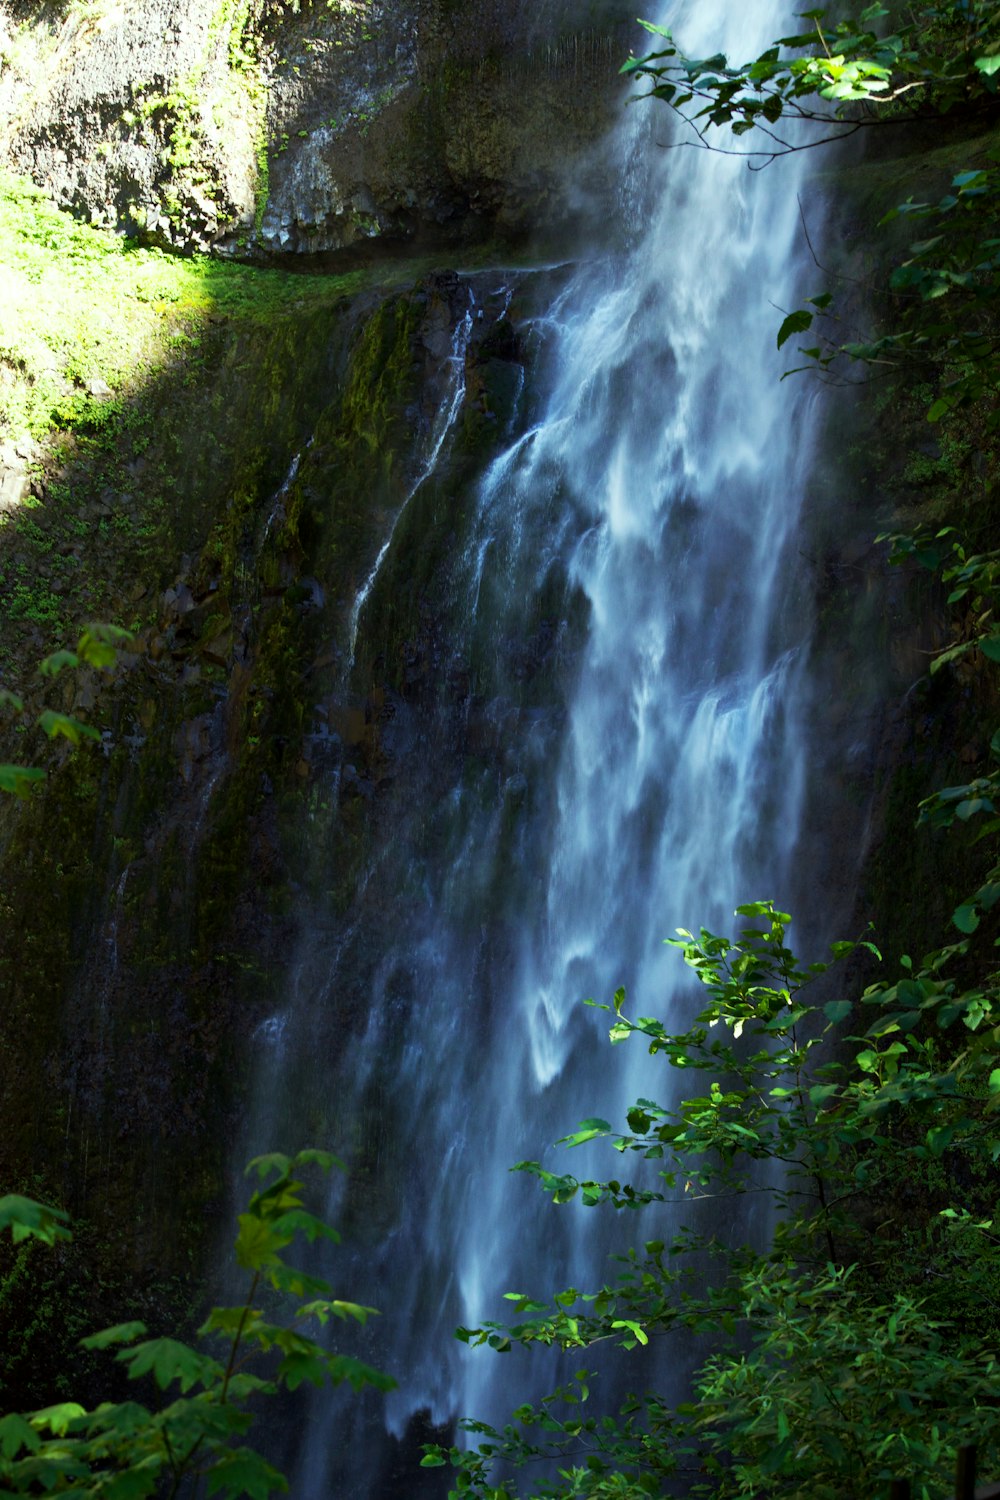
[(262, 190), (57, 271)]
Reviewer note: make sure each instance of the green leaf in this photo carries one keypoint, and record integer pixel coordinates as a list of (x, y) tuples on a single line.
[(989, 65), (587, 1130), (121, 1421), (311, 1157), (972, 805), (940, 1138), (230, 1320), (120, 1333), (53, 665), (257, 1245), (97, 643), (15, 1434), (243, 1472), (965, 918), (168, 1360), (634, 1328), (72, 729), (58, 1418), (355, 1310), (301, 1365), (952, 652), (28, 1219), (296, 1283), (796, 322), (300, 1221), (837, 1010), (11, 700), (264, 1166), (342, 1367), (18, 780), (990, 646)]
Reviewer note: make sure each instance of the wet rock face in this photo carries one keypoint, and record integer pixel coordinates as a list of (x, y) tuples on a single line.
[(163, 877), (271, 127), (132, 116)]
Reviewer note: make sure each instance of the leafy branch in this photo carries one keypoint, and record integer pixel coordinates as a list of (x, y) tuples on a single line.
[(938, 62), (96, 647), (839, 79), (827, 1362), (125, 1450)]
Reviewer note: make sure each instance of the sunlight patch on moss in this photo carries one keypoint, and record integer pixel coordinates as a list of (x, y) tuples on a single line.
[(86, 315)]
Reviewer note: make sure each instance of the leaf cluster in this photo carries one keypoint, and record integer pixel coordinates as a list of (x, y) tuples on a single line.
[(844, 1354), (837, 76), (194, 1433), (945, 300), (883, 66), (974, 585), (96, 647)]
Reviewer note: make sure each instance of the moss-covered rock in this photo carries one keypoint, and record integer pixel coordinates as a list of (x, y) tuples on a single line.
[(267, 127)]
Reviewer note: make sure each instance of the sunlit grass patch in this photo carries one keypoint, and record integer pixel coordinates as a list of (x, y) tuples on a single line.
[(86, 316)]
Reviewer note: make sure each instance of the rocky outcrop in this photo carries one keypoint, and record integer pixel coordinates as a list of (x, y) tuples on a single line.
[(269, 127)]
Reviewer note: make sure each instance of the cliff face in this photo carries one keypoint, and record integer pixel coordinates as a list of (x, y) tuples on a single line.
[(268, 127)]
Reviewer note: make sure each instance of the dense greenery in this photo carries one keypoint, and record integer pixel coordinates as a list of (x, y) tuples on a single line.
[(55, 272), (206, 1398), (858, 1344)]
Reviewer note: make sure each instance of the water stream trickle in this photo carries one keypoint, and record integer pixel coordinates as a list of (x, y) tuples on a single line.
[(444, 417), (628, 597)]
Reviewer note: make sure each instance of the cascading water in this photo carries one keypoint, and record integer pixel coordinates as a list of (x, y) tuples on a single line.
[(626, 598)]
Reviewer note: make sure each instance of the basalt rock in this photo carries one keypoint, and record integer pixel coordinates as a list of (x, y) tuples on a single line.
[(264, 128)]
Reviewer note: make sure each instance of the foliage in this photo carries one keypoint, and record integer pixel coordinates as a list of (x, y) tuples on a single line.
[(930, 61), (27, 1219), (975, 586), (936, 59), (946, 293), (206, 1395), (96, 647), (851, 1349)]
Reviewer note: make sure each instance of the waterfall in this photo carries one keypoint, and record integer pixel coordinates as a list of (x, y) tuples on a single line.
[(628, 598)]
